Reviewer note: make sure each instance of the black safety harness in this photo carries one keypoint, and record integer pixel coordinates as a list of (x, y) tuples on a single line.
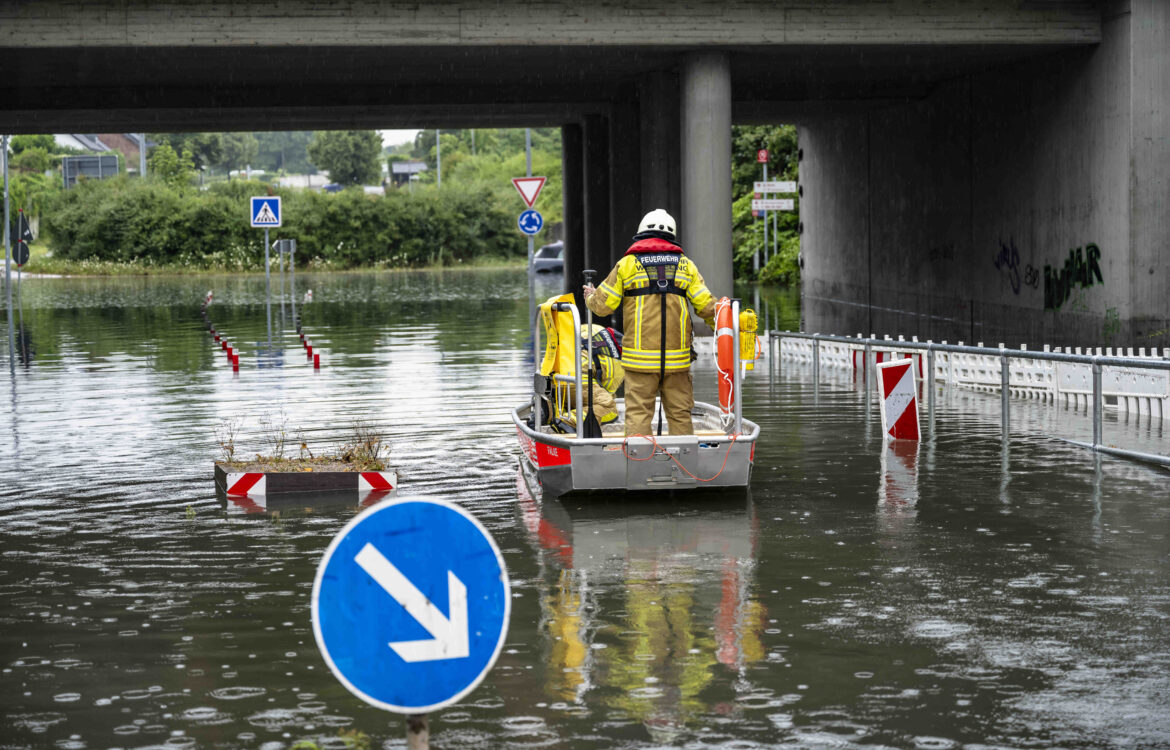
[(661, 268)]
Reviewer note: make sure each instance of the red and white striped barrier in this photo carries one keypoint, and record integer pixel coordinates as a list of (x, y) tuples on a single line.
[(255, 484), (247, 483), (377, 480), (899, 400)]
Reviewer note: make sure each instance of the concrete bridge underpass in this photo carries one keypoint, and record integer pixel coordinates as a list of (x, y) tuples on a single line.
[(994, 171)]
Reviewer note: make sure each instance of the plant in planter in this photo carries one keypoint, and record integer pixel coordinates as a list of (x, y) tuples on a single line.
[(357, 464)]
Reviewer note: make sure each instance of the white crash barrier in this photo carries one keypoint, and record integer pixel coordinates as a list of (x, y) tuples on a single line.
[(1128, 390)]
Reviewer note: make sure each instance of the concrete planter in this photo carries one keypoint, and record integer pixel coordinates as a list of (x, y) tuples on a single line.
[(267, 483)]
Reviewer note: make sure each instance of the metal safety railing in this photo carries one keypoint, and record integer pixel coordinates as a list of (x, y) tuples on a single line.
[(1138, 383)]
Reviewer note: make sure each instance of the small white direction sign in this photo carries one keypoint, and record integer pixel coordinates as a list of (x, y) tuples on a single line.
[(773, 204), (529, 188), (265, 211), (774, 186)]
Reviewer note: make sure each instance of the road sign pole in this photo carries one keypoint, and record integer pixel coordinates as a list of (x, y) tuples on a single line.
[(280, 268), (531, 252), (775, 234), (8, 260), (417, 732), (292, 284), (267, 290), (765, 222)]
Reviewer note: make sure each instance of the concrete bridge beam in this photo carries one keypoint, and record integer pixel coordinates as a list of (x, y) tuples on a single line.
[(705, 223)]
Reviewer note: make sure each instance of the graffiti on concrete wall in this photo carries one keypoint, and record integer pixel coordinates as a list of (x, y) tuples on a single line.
[(1008, 263), (1080, 269), (1032, 276)]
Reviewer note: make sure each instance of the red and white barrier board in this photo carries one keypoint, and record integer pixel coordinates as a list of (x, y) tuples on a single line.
[(250, 483), (257, 484), (899, 400)]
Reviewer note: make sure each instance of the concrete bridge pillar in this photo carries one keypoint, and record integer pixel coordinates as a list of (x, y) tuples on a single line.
[(625, 205), (597, 187), (573, 197), (705, 223), (658, 112)]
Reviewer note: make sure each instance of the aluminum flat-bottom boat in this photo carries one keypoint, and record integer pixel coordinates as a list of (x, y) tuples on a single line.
[(719, 454), (564, 463)]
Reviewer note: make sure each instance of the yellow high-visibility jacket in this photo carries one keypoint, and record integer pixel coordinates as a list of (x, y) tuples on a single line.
[(651, 265)]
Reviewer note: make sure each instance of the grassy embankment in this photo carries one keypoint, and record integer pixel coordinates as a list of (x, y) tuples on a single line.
[(42, 262)]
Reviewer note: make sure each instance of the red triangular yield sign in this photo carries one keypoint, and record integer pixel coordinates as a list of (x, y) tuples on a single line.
[(529, 188)]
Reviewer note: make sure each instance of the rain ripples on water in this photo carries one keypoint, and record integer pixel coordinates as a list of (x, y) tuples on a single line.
[(964, 592)]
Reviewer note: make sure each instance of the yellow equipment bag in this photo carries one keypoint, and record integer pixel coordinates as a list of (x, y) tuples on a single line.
[(747, 338), (560, 338), (559, 347)]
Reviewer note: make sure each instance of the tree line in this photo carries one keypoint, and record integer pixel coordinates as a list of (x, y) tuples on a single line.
[(169, 219)]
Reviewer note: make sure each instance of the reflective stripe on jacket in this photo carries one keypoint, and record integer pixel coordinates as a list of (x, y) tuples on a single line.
[(642, 345)]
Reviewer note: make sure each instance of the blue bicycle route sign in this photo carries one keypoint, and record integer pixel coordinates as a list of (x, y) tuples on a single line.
[(530, 221), (411, 605)]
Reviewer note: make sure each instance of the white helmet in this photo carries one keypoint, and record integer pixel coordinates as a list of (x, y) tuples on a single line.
[(658, 221)]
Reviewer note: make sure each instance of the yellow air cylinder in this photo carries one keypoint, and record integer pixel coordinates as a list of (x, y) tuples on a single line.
[(747, 338)]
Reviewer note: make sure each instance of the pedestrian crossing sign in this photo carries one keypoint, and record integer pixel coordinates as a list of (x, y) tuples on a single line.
[(266, 211)]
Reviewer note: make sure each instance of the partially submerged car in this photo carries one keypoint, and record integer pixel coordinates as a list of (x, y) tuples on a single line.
[(550, 258)]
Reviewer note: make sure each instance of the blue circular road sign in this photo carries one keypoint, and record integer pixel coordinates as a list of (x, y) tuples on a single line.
[(530, 222), (411, 605)]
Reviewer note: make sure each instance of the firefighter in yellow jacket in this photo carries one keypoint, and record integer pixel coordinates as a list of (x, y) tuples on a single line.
[(607, 376), (657, 282)]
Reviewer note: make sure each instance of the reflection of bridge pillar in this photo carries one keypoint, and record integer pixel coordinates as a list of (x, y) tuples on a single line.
[(658, 116), (597, 227), (573, 197), (705, 223)]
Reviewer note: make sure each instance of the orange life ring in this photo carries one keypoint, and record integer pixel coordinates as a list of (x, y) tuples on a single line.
[(725, 353)]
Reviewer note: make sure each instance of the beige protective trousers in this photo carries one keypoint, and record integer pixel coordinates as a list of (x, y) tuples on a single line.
[(678, 398)]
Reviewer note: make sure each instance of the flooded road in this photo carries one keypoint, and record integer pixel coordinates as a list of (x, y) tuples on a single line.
[(961, 593)]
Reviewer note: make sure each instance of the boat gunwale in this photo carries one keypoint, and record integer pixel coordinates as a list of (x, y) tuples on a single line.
[(563, 441)]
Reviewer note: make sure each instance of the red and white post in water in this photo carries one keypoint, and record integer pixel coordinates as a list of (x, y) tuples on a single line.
[(899, 400)]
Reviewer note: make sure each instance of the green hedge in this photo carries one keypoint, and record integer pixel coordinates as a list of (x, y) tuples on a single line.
[(125, 220)]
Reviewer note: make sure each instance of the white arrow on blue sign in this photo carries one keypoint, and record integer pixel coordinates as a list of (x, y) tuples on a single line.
[(411, 605), (266, 211), (530, 222)]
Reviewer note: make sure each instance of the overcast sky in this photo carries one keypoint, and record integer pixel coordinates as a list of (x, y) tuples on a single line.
[(394, 137)]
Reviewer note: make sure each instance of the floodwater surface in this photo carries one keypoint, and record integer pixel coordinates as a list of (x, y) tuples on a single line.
[(965, 592)]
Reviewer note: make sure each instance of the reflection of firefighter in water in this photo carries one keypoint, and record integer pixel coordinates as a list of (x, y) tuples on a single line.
[(673, 635), (564, 612)]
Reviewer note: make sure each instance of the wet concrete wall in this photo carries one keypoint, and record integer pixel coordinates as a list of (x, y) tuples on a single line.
[(1017, 204), (1150, 178)]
